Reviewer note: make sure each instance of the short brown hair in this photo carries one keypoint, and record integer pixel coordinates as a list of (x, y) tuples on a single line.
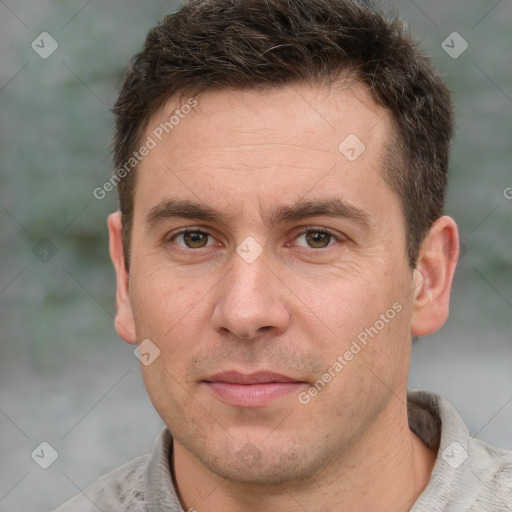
[(251, 44)]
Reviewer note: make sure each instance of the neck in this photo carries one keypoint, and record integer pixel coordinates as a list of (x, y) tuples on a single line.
[(387, 470)]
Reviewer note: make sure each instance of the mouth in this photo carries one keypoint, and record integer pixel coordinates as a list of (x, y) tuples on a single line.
[(251, 390)]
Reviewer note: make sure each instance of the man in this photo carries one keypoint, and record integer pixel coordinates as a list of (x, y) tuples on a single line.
[(281, 168)]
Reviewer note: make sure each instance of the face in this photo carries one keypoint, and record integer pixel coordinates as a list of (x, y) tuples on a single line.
[(268, 266)]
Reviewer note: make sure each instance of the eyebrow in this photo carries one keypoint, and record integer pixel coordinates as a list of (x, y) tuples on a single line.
[(186, 209)]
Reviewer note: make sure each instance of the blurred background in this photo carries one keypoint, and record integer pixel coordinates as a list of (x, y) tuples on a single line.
[(65, 376)]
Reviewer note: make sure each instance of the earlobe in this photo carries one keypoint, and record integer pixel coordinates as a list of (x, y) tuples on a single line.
[(124, 322), (433, 275)]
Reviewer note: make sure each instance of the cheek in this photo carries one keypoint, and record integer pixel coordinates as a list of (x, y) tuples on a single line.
[(367, 325), (167, 314), (163, 306), (347, 307)]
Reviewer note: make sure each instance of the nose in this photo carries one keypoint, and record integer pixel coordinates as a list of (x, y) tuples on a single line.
[(250, 301)]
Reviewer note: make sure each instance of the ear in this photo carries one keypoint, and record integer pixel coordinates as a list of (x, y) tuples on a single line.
[(124, 323), (433, 277)]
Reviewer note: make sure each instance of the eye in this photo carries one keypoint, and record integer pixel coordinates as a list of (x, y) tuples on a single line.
[(318, 238), (191, 238)]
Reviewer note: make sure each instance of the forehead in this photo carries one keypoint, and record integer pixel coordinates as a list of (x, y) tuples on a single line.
[(306, 115), (293, 139)]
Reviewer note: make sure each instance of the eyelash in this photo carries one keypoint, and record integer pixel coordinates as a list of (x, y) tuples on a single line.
[(307, 229)]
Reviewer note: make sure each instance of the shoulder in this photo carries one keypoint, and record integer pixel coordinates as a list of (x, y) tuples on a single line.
[(491, 472), (120, 489), (469, 475)]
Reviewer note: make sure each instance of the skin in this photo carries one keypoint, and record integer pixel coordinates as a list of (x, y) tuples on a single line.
[(292, 311)]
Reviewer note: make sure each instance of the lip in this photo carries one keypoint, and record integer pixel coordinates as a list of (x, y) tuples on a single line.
[(251, 390)]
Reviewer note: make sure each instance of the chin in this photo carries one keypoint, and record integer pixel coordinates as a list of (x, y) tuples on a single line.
[(269, 465)]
